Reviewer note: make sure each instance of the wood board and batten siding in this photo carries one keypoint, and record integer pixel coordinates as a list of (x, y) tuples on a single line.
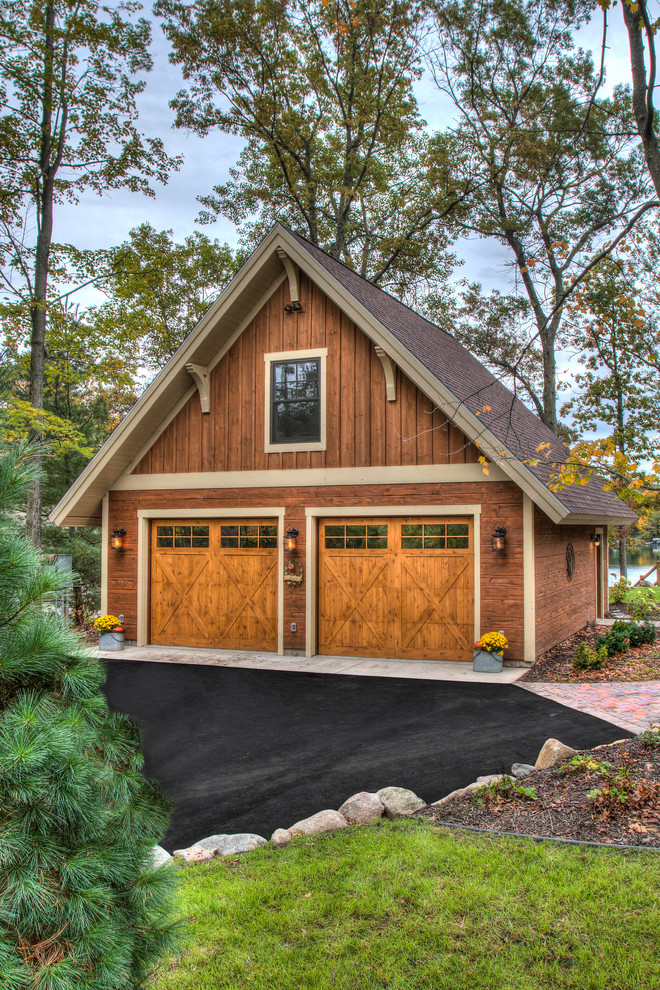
[(363, 428), (396, 587)]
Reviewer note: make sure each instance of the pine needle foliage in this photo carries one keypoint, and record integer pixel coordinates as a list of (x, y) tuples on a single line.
[(81, 906)]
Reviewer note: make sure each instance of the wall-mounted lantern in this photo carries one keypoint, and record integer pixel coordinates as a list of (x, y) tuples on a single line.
[(117, 538), (290, 539), (595, 539), (498, 539)]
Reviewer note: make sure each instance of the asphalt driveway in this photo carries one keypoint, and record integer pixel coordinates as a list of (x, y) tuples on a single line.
[(240, 750)]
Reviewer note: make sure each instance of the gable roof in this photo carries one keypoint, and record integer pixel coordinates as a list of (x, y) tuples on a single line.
[(508, 432)]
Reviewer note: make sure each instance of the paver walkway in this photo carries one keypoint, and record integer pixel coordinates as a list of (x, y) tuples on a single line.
[(632, 706)]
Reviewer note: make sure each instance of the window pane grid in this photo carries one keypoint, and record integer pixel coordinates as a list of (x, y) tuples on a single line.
[(182, 537), (295, 401), (356, 536), (435, 536), (249, 537)]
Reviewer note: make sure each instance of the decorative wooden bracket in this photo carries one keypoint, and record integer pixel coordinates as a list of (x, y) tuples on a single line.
[(292, 275), (390, 373), (202, 378)]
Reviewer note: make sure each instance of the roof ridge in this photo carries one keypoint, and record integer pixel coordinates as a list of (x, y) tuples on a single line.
[(420, 316)]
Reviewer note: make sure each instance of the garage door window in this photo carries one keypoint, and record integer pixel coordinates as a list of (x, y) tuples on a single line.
[(248, 537), (435, 536), (182, 537), (356, 537)]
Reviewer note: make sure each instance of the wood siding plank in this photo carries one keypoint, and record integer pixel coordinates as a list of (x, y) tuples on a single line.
[(363, 427)]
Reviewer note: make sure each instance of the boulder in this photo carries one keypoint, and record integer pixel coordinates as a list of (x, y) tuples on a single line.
[(479, 782), (195, 854), (159, 856), (361, 808), (232, 845), (281, 837), (322, 821), (490, 778), (522, 769), (399, 801), (553, 752), (459, 793)]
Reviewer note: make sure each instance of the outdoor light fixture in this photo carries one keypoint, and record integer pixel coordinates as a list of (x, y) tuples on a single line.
[(595, 539), (290, 539), (117, 538), (292, 307), (498, 539)]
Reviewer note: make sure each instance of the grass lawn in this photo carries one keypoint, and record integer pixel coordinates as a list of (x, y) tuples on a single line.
[(634, 594), (405, 905)]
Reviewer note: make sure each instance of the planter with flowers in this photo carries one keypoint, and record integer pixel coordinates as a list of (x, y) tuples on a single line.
[(488, 652), (111, 632)]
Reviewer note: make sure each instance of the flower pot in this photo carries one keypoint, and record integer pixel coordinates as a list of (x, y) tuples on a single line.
[(111, 641), (486, 662)]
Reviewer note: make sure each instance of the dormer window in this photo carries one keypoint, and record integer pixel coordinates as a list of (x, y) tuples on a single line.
[(295, 400)]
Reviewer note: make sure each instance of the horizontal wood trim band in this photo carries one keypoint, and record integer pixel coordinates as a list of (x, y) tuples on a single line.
[(406, 474), (393, 510)]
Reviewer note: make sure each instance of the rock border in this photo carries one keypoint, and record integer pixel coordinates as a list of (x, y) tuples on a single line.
[(359, 809)]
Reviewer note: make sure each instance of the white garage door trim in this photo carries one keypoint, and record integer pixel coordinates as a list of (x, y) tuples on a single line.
[(145, 516), (313, 513)]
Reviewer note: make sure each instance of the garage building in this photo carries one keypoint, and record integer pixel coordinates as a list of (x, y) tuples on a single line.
[(319, 469)]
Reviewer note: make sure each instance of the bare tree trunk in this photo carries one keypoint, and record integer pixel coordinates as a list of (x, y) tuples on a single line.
[(640, 30), (44, 239), (549, 381), (623, 553)]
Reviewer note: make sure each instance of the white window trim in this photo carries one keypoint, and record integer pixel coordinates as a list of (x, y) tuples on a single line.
[(318, 352)]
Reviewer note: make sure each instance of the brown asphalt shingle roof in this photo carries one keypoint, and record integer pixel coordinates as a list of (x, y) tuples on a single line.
[(514, 425)]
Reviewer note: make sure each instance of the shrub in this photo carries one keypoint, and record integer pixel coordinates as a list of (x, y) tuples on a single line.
[(649, 632), (503, 789), (644, 605), (619, 590), (651, 738), (586, 659), (615, 641), (82, 908)]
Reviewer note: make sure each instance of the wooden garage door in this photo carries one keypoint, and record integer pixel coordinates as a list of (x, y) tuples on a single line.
[(214, 583), (397, 587)]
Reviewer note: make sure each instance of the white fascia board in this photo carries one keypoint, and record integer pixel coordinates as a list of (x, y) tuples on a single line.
[(581, 519), (163, 383), (453, 407)]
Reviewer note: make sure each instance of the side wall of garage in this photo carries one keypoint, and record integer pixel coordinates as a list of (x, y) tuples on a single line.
[(564, 602), (500, 579)]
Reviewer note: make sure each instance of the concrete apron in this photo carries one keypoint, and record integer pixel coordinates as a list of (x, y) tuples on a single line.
[(424, 670)]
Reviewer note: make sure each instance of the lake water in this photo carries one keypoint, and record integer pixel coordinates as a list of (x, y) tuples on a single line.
[(639, 561)]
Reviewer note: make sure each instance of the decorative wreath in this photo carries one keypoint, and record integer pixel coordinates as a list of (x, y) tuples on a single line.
[(570, 561)]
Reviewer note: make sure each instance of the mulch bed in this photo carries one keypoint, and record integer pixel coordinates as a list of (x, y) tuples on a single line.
[(564, 810), (640, 663)]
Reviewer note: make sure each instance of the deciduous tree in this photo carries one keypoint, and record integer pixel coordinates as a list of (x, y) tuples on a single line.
[(554, 170), (157, 290), (69, 81), (322, 93)]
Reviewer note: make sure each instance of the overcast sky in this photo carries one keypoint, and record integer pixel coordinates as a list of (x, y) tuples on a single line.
[(102, 222)]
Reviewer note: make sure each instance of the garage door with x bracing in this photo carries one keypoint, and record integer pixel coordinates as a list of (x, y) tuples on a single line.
[(400, 587), (214, 583)]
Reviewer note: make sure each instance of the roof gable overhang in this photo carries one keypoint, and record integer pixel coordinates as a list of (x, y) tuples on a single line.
[(215, 333)]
